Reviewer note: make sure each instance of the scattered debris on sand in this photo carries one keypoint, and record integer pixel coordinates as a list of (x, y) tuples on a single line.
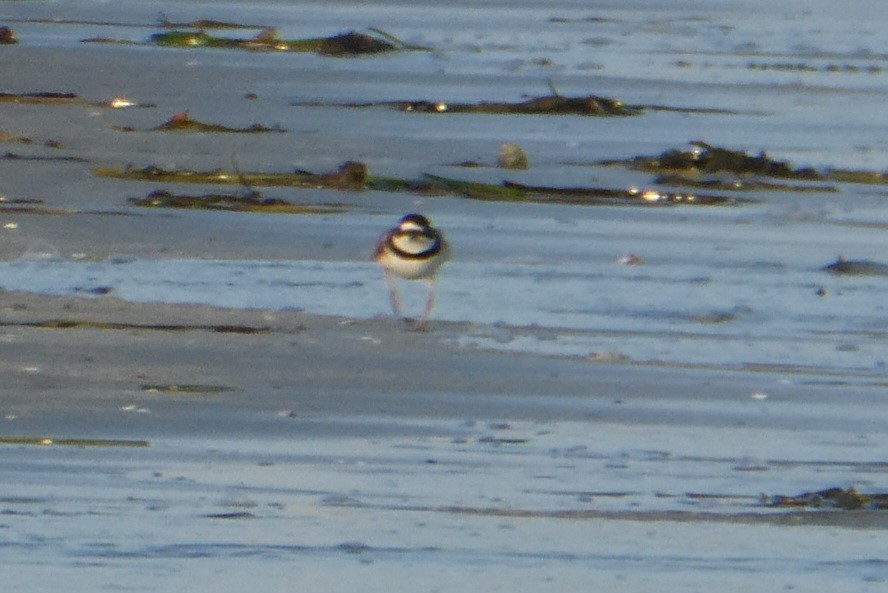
[(7, 36), (831, 67), (14, 139)]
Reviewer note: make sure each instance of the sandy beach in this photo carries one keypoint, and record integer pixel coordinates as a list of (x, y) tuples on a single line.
[(610, 396)]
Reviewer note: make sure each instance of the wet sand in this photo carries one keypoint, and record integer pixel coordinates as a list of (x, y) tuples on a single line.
[(623, 440), (348, 449)]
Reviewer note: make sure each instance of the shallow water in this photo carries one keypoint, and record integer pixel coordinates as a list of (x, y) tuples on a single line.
[(748, 275), (727, 313)]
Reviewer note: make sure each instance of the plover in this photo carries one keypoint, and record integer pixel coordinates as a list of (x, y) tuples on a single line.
[(413, 250)]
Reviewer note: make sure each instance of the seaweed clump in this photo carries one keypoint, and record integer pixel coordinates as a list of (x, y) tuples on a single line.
[(705, 165), (589, 105), (182, 122), (831, 498), (554, 104), (349, 44), (706, 158), (353, 43)]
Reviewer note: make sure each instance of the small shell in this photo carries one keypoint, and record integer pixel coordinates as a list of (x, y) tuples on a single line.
[(512, 156)]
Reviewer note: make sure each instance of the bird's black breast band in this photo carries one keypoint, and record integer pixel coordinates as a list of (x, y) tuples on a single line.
[(430, 252)]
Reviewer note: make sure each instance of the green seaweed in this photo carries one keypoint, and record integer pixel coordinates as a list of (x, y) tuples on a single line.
[(349, 44), (71, 442), (166, 23), (398, 41), (857, 176), (248, 202), (509, 191), (353, 176), (737, 184), (480, 191), (350, 176)]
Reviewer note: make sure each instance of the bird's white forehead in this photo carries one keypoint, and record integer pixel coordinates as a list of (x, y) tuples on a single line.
[(410, 225)]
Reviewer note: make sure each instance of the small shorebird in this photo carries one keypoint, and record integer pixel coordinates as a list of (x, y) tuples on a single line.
[(413, 250)]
